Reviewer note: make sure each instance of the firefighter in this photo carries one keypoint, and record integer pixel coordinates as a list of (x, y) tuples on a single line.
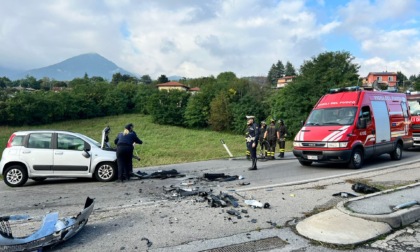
[(271, 136), (281, 135), (252, 137), (263, 146)]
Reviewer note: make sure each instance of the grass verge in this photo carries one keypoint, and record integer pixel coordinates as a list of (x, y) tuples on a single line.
[(162, 144)]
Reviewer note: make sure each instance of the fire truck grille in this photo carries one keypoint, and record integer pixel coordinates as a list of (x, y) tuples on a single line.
[(313, 144), (416, 126)]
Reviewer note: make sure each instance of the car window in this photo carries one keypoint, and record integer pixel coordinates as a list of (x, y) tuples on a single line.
[(17, 141), (69, 142), (39, 140)]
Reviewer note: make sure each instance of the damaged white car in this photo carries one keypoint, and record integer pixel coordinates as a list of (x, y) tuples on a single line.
[(45, 154)]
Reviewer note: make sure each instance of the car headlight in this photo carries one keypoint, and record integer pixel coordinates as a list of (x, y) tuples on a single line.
[(337, 144), (297, 144)]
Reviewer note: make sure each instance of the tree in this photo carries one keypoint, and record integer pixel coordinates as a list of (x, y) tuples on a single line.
[(145, 79), (327, 70), (226, 77), (220, 114), (118, 77), (162, 79), (276, 72), (289, 70), (197, 111), (168, 107), (4, 82)]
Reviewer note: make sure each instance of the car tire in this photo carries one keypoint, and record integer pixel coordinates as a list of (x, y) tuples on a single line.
[(106, 171), (397, 153), (356, 159), (305, 163), (15, 176)]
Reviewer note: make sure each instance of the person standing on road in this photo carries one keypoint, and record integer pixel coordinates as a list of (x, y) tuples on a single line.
[(252, 137), (125, 145), (271, 136), (263, 147), (282, 134)]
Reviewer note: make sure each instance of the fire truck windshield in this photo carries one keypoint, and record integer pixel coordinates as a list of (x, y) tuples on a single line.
[(332, 116), (414, 107)]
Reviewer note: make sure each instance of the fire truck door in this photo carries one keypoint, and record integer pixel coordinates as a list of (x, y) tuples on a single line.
[(382, 127)]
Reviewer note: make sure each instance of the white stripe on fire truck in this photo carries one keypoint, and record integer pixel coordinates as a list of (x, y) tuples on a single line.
[(300, 135), (336, 134)]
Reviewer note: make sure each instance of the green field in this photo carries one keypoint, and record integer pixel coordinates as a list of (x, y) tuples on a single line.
[(161, 144)]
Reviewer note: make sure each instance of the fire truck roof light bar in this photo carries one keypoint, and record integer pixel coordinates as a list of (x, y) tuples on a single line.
[(344, 89)]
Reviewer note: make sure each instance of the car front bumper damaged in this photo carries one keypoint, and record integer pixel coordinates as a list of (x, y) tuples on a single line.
[(52, 231)]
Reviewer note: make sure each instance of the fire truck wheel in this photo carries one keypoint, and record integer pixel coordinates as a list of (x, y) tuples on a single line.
[(397, 153), (305, 163), (356, 160)]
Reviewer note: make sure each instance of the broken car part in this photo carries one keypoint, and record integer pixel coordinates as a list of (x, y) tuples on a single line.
[(344, 195), (52, 231), (363, 188), (406, 205), (158, 175), (256, 204)]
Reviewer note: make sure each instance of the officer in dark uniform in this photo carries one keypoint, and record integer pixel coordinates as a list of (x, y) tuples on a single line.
[(252, 137), (282, 134), (124, 142), (271, 136), (263, 144)]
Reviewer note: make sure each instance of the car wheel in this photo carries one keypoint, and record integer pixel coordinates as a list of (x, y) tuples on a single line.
[(15, 175), (397, 153), (106, 172), (356, 159), (305, 163), (38, 179)]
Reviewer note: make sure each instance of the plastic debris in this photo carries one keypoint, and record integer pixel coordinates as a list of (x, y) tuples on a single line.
[(344, 195), (52, 231), (406, 205), (256, 204), (363, 188)]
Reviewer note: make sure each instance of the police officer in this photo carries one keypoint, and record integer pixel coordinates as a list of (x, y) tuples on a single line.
[(282, 134), (252, 137), (263, 145), (271, 136), (124, 142)]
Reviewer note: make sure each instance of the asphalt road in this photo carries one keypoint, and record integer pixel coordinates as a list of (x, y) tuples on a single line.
[(124, 213)]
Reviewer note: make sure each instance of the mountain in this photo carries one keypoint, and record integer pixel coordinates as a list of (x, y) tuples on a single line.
[(92, 64)]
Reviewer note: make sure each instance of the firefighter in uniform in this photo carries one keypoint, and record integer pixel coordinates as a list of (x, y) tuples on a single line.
[(252, 140), (271, 136), (282, 134), (263, 146)]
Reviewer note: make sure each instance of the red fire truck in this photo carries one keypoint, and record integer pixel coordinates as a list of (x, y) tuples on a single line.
[(349, 125), (413, 99)]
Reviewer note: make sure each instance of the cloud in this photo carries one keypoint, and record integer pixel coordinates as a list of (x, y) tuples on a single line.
[(201, 38)]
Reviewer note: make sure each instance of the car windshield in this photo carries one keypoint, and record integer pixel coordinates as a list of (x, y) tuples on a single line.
[(332, 116), (90, 140), (414, 107)]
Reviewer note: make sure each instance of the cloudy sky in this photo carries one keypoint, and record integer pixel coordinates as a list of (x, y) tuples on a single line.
[(194, 38)]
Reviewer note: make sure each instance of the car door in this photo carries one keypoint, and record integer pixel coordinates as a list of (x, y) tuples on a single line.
[(68, 156), (38, 154)]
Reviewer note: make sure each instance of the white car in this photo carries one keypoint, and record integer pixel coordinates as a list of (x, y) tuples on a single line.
[(45, 154)]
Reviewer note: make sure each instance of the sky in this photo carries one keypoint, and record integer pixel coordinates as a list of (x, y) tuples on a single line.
[(200, 38)]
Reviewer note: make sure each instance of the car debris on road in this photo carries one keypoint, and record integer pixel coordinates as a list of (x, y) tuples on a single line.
[(52, 231)]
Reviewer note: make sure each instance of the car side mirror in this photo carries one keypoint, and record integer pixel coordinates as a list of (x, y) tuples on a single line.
[(361, 124)]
